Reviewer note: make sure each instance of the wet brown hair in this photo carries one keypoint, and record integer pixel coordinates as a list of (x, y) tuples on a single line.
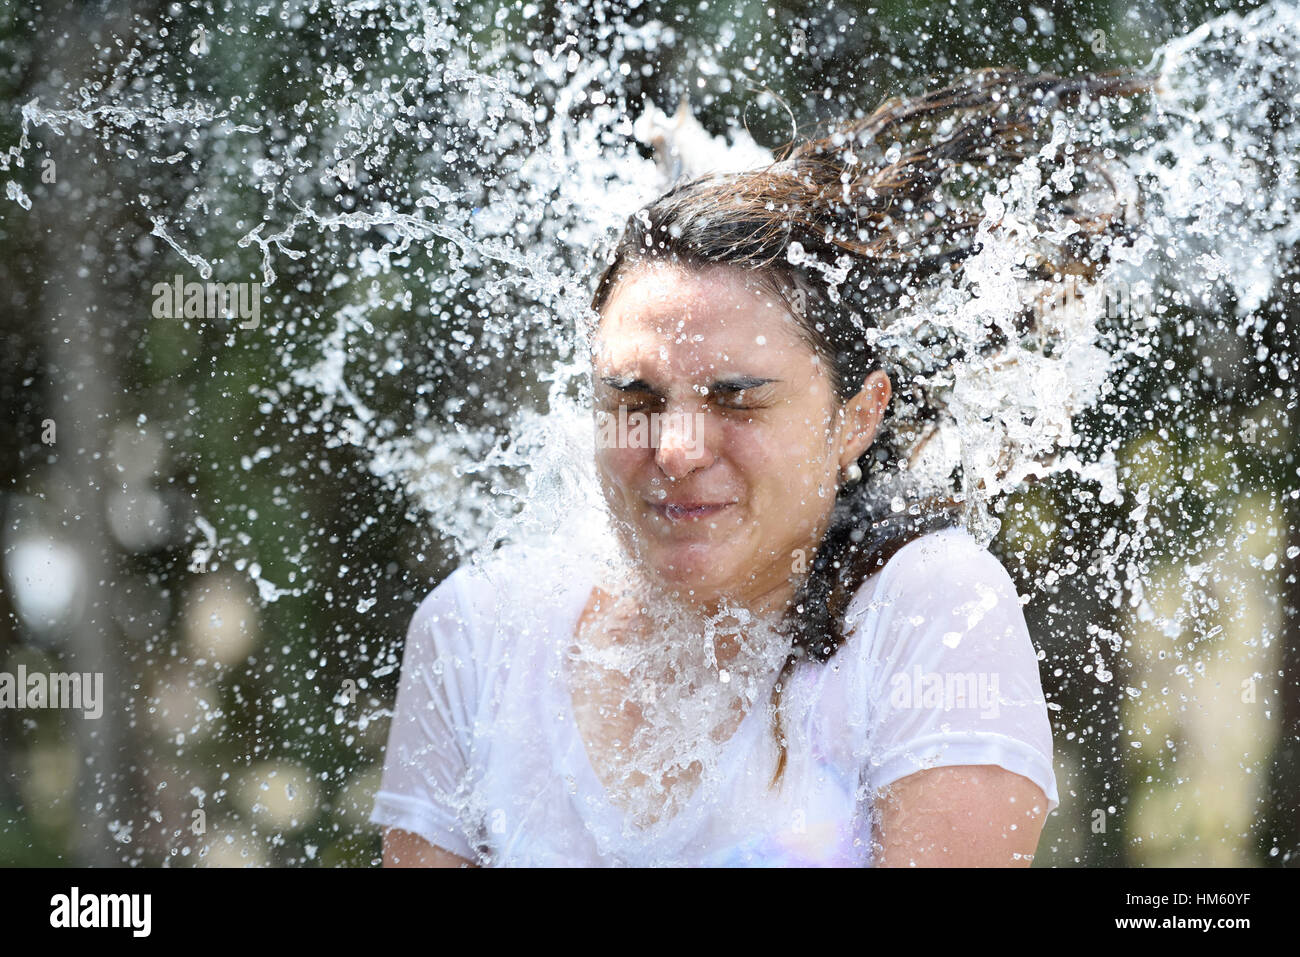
[(891, 202)]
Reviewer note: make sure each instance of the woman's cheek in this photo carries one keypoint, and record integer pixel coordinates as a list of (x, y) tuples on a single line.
[(783, 456), (757, 448), (618, 466)]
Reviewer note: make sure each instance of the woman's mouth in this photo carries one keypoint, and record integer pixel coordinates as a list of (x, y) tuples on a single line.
[(688, 511)]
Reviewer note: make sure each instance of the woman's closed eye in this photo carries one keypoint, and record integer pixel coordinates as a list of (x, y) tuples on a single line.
[(745, 394), (741, 398)]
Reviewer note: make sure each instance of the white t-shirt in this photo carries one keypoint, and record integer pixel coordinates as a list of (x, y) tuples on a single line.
[(484, 758)]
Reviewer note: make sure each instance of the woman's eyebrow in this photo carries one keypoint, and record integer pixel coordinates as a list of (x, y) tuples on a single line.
[(733, 384), (740, 383)]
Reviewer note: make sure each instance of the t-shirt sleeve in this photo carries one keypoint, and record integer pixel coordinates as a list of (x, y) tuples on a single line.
[(425, 783), (953, 674)]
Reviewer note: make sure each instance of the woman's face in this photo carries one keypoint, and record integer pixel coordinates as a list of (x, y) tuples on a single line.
[(719, 438)]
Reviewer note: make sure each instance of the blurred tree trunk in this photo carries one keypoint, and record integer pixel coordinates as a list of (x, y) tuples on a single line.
[(85, 335)]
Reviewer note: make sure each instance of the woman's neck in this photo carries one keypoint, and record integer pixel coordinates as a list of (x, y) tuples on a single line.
[(734, 623)]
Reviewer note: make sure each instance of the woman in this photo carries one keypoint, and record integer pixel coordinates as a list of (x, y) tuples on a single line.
[(785, 666)]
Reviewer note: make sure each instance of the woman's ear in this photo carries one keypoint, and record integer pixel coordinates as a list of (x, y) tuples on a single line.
[(862, 417)]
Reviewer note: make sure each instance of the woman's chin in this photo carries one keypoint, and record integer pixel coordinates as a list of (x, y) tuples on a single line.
[(700, 568)]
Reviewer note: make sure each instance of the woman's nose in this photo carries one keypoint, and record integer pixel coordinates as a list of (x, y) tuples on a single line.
[(682, 447)]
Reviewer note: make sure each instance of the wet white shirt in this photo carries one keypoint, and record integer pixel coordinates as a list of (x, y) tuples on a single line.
[(484, 758)]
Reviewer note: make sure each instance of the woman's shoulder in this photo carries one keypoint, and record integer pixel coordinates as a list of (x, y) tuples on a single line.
[(940, 592), (937, 576), (951, 543)]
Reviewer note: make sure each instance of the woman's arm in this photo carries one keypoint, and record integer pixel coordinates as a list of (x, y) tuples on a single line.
[(960, 816), (404, 849)]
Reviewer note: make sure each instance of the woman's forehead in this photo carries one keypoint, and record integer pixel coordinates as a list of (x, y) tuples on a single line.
[(669, 306)]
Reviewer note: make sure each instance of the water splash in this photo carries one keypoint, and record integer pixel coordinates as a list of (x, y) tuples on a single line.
[(521, 199)]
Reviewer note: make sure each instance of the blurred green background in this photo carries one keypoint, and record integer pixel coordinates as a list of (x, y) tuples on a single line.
[(231, 735)]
